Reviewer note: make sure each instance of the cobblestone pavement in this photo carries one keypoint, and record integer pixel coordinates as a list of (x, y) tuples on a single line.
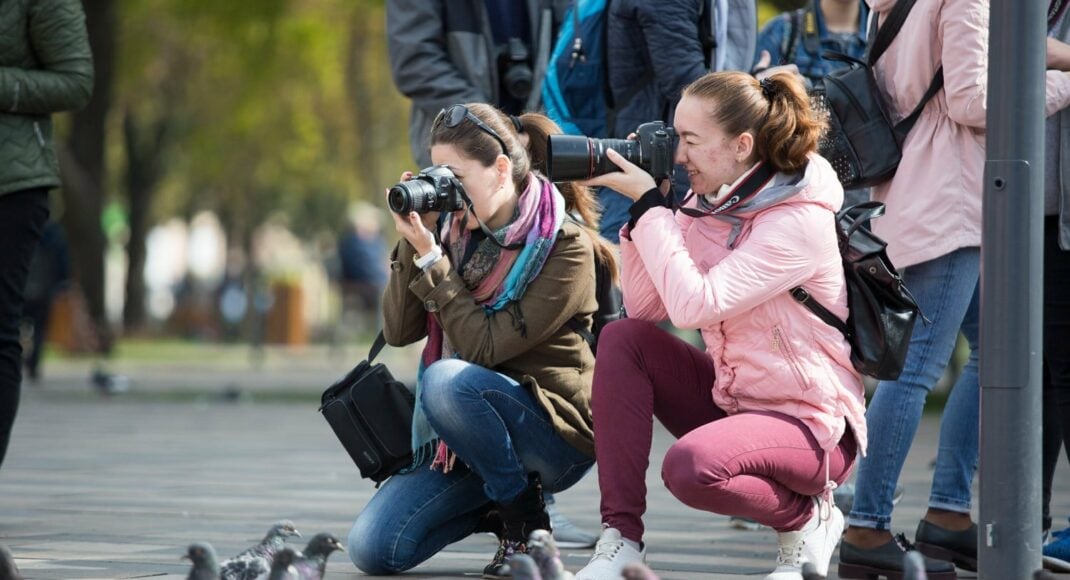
[(98, 487)]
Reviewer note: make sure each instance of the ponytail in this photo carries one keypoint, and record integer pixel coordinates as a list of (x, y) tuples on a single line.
[(578, 199)]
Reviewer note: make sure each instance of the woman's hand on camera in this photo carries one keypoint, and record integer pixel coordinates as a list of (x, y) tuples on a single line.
[(411, 227), (631, 181)]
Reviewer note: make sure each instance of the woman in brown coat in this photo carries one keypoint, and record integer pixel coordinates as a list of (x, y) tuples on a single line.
[(504, 383)]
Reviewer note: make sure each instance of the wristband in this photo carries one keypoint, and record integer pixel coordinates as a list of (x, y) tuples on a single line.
[(427, 260)]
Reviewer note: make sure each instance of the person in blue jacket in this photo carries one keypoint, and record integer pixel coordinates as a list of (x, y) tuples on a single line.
[(801, 37)]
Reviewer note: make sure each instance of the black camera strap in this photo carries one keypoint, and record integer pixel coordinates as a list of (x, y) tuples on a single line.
[(471, 209), (751, 185)]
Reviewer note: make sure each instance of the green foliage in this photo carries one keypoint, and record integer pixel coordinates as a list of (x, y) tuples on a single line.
[(261, 109)]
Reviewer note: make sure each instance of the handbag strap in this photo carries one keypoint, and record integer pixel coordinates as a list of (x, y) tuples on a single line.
[(803, 297), (377, 345), (883, 39), (860, 213)]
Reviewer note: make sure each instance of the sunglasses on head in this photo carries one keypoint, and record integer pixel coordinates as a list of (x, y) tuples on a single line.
[(456, 114)]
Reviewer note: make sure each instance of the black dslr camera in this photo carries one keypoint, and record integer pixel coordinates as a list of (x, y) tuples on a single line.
[(572, 157), (433, 189), (514, 66)]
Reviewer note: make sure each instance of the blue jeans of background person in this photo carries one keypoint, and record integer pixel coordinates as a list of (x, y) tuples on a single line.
[(946, 288), (22, 215), (499, 433)]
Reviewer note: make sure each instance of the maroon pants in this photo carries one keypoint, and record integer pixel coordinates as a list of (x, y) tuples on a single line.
[(759, 465)]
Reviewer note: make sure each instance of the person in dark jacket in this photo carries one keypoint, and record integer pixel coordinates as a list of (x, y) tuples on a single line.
[(464, 51), (654, 50), (45, 67)]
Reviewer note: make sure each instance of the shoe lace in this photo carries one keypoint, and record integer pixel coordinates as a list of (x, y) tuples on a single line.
[(507, 548), (607, 549), (903, 542), (790, 554)]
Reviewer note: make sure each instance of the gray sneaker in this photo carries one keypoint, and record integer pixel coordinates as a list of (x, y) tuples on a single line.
[(566, 534)]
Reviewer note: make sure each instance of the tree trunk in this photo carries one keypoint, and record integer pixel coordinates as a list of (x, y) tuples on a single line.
[(144, 151), (84, 175)]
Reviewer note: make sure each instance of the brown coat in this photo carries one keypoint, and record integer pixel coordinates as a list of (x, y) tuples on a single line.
[(551, 359)]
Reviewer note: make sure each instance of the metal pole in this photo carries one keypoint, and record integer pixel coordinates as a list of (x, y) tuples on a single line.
[(1011, 295)]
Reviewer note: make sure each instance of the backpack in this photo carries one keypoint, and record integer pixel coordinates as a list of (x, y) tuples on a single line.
[(881, 309), (575, 89), (861, 143)]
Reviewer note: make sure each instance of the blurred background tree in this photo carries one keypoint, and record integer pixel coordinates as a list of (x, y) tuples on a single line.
[(244, 109)]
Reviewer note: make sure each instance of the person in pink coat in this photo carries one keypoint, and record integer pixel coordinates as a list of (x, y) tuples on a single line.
[(769, 418), (933, 230)]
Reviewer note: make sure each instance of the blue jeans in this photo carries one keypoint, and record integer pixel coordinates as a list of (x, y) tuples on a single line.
[(946, 288), (499, 433)]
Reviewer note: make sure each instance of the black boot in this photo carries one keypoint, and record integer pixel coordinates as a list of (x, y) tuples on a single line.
[(521, 516)]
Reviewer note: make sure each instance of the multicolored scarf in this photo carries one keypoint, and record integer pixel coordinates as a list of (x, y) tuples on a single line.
[(496, 277)]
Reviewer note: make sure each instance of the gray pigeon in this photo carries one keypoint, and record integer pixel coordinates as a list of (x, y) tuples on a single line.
[(1043, 574), (282, 567), (205, 564), (914, 566), (523, 567), (637, 571), (543, 549), (8, 569), (256, 561), (312, 563)]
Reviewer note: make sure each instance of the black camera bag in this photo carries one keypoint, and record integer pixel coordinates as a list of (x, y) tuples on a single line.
[(371, 413), (861, 143), (881, 309)]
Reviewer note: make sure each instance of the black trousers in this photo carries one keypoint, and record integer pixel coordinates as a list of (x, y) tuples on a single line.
[(1056, 357), (22, 216)]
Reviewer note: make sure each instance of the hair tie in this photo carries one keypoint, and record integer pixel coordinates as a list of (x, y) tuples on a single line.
[(516, 123), (768, 90)]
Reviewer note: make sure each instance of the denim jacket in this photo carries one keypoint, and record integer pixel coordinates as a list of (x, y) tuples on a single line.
[(774, 38)]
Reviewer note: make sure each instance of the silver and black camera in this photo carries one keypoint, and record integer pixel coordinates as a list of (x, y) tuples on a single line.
[(435, 188), (572, 157)]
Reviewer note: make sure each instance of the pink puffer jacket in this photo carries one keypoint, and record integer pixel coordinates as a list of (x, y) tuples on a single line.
[(770, 352)]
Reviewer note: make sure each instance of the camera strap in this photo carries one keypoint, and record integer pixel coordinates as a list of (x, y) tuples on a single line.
[(470, 209), (751, 185)]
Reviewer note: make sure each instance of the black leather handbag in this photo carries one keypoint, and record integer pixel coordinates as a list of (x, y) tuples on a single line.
[(371, 414)]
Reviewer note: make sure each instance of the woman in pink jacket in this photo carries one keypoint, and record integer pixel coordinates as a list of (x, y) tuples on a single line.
[(933, 230), (770, 417)]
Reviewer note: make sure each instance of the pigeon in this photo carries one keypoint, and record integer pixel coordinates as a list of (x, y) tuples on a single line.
[(914, 566), (1043, 574), (312, 563), (543, 549), (256, 561), (8, 569), (205, 565), (282, 567), (523, 567), (637, 571), (809, 572)]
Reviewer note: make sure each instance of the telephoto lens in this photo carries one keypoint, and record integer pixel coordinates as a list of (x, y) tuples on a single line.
[(573, 157)]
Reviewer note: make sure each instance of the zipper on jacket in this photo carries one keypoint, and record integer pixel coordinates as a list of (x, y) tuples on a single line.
[(40, 135), (781, 345)]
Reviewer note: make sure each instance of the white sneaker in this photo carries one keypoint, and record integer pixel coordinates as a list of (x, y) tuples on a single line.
[(814, 544), (611, 555)]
